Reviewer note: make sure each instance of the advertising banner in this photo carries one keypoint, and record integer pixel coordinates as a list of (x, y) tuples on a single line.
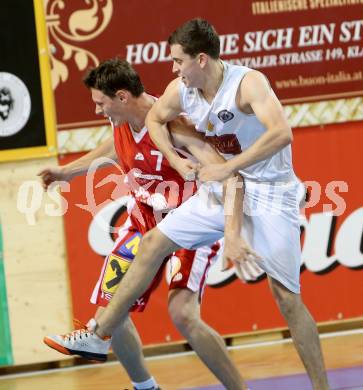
[(311, 50), (331, 226), (27, 117)]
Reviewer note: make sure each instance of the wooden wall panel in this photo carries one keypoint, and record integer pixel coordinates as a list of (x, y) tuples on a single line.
[(35, 267)]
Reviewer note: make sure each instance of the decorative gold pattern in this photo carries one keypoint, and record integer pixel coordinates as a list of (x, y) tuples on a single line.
[(82, 140), (82, 25), (299, 115), (330, 111)]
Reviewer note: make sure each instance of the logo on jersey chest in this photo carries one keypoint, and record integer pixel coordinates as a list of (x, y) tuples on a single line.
[(139, 156), (225, 116), (210, 126)]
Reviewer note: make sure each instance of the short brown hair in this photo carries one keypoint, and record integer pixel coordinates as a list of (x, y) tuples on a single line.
[(114, 74), (197, 36)]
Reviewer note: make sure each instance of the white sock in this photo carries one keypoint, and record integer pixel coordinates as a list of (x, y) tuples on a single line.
[(148, 384)]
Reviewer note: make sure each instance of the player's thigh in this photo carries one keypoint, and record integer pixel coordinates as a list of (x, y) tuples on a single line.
[(194, 224)]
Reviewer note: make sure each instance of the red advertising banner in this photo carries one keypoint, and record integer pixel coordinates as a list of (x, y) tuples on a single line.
[(309, 49), (332, 258)]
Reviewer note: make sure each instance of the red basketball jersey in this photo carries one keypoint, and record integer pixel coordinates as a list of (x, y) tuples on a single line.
[(149, 172)]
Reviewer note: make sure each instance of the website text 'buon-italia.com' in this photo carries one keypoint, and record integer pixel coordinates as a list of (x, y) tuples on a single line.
[(328, 78)]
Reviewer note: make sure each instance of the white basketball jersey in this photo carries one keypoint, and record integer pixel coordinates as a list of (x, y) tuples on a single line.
[(232, 131)]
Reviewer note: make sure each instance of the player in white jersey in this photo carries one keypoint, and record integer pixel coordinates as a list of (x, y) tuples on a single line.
[(237, 110)]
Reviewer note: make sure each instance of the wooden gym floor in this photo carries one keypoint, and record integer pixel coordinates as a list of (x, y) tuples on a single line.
[(271, 359)]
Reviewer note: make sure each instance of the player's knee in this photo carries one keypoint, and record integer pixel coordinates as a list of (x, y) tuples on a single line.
[(182, 320), (150, 239), (154, 242), (288, 303), (182, 317)]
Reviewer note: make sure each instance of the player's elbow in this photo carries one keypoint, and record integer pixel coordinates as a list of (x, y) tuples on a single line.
[(286, 137)]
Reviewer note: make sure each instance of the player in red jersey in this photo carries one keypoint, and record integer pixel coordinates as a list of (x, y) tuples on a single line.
[(156, 188), (119, 95)]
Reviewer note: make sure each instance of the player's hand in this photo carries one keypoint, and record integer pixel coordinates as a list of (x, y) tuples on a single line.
[(243, 257), (214, 172), (50, 175), (187, 169)]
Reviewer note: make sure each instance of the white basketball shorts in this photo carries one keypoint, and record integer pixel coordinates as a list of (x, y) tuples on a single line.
[(270, 225)]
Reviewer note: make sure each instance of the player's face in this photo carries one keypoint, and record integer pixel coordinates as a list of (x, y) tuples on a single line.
[(186, 67), (109, 107)]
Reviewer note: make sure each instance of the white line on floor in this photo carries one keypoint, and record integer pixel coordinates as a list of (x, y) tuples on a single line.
[(173, 355)]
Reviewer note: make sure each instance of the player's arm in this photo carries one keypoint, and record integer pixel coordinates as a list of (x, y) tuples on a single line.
[(236, 250), (256, 92), (163, 111), (182, 134), (80, 166)]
